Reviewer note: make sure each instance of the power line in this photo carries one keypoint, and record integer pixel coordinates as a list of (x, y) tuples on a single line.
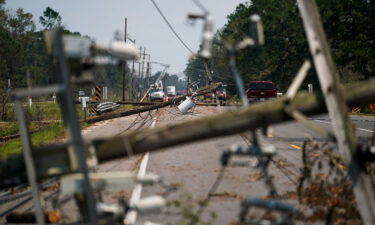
[(200, 5), (170, 26), (209, 75)]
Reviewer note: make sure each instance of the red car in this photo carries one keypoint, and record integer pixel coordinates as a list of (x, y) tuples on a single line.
[(261, 91), (221, 94)]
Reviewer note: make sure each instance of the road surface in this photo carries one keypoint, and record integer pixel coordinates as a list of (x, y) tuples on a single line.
[(194, 168)]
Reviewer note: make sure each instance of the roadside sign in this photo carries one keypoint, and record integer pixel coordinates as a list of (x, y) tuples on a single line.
[(93, 109), (310, 88), (83, 103), (98, 93), (356, 109), (105, 93)]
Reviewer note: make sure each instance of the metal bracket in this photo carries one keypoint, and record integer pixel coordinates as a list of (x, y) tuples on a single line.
[(288, 211), (113, 181)]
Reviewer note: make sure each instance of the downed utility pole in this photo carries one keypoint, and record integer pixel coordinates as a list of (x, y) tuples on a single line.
[(135, 103), (113, 115), (342, 125), (259, 115)]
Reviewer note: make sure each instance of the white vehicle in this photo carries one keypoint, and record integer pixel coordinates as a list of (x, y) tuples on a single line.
[(171, 91), (157, 95)]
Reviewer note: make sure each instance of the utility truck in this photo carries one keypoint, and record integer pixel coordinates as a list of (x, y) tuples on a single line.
[(171, 91)]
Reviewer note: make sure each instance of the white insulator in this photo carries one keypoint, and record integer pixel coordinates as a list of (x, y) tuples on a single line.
[(186, 105), (148, 179), (208, 35), (108, 208), (150, 204), (119, 49)]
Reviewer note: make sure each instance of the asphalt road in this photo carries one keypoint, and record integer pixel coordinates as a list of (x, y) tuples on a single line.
[(195, 168)]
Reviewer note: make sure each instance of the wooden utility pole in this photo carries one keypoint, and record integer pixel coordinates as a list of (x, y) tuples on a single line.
[(208, 70), (132, 75), (142, 70), (148, 72), (258, 115), (337, 109), (139, 75), (124, 66)]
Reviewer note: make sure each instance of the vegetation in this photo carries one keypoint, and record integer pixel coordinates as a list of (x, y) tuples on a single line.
[(45, 126), (24, 61), (349, 28), (52, 132)]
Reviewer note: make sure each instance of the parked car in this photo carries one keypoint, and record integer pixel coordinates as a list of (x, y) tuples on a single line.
[(157, 95), (261, 91), (210, 95), (222, 94)]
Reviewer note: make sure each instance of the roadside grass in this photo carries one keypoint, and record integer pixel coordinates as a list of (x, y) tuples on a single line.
[(44, 133), (12, 128), (45, 124), (8, 128), (50, 133)]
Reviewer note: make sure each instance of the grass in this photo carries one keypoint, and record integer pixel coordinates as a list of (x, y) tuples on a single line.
[(49, 134), (8, 128), (12, 128), (43, 133)]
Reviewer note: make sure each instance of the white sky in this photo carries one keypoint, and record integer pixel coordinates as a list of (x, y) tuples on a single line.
[(100, 19)]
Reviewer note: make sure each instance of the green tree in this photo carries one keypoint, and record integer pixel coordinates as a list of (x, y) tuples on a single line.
[(16, 37), (50, 19), (349, 28)]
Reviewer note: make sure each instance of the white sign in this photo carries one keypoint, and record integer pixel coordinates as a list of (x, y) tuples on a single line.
[(105, 93), (310, 88)]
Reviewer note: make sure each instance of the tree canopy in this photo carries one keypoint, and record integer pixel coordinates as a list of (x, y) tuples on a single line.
[(22, 51), (349, 28), (50, 19)]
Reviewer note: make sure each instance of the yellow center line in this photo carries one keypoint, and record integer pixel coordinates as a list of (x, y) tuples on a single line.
[(296, 146)]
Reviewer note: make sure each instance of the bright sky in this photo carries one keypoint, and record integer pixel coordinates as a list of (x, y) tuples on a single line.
[(100, 19)]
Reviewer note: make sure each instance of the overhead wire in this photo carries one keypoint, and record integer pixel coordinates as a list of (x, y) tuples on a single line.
[(170, 27), (209, 75), (200, 5)]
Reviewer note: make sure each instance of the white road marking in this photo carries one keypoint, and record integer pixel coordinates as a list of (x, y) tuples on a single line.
[(153, 123), (131, 216), (370, 131), (361, 129)]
